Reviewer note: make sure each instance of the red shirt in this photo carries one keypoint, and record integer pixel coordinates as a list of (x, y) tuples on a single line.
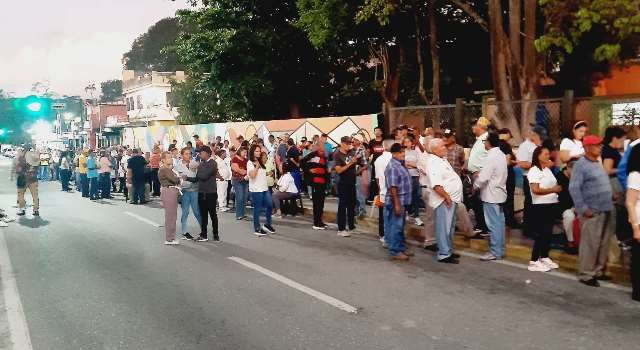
[(242, 163)]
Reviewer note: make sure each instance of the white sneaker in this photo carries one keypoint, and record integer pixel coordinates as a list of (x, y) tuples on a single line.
[(537, 266), (384, 244), (419, 222), (488, 257), (3, 224), (319, 228), (549, 263), (8, 219), (344, 234), (174, 242)]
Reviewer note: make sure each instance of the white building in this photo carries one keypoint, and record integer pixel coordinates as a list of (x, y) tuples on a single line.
[(147, 97)]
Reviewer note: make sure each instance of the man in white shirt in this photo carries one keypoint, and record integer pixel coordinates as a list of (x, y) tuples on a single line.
[(492, 182), (427, 214), (222, 184), (445, 188), (380, 165), (477, 159), (524, 157)]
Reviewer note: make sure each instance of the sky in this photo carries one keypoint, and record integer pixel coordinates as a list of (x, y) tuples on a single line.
[(71, 43)]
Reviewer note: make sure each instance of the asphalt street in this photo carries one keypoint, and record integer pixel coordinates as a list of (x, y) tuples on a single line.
[(95, 275)]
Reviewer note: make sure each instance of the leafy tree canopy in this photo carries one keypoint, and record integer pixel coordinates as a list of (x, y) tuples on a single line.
[(111, 90), (148, 52)]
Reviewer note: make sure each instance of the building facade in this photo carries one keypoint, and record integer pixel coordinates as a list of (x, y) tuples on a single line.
[(147, 97)]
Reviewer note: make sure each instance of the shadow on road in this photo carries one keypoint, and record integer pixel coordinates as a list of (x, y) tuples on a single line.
[(35, 222)]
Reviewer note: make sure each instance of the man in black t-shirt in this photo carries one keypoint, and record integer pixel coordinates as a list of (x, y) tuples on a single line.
[(345, 162), (136, 176), (376, 149)]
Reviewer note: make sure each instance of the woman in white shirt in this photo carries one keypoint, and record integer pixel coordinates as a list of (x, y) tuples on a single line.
[(286, 189), (544, 197), (571, 148), (633, 208), (259, 191)]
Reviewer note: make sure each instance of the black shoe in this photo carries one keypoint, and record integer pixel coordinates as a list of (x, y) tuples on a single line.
[(352, 228), (591, 283), (449, 260), (432, 248), (635, 297), (36, 213), (269, 229), (455, 255), (216, 239), (187, 236), (603, 278)]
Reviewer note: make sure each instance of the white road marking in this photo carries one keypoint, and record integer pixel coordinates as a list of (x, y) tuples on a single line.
[(18, 328), (295, 285), (143, 219), (556, 273)]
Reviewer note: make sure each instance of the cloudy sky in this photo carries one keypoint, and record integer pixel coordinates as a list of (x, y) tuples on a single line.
[(71, 43)]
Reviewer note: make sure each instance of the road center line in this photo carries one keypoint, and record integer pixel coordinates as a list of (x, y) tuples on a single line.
[(295, 285), (143, 219), (18, 328)]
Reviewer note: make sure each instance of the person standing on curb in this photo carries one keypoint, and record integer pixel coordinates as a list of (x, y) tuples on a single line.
[(136, 176), (380, 166), (477, 160), (445, 192), (633, 207), (169, 192), (82, 170), (186, 167), (492, 183), (222, 184), (316, 167), (398, 184), (260, 195), (207, 194), (92, 176), (592, 196), (27, 178), (345, 161)]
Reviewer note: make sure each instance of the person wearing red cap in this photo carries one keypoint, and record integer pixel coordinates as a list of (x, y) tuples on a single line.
[(592, 196)]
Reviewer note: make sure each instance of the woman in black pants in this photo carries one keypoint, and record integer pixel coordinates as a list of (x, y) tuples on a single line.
[(544, 198), (316, 168), (633, 207)]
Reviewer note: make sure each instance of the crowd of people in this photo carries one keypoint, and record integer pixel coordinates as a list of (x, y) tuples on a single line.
[(588, 186)]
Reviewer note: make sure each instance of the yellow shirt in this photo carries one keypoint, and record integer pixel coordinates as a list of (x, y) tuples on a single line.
[(82, 164)]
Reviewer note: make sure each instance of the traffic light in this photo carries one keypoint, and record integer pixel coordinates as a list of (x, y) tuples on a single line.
[(33, 106), (3, 132)]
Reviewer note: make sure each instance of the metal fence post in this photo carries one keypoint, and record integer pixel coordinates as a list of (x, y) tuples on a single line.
[(567, 112), (458, 122)]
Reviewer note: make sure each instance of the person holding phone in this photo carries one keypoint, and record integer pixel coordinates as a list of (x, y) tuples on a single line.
[(345, 162)]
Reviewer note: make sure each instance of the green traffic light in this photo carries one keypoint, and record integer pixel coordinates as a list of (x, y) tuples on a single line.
[(2, 132), (34, 106)]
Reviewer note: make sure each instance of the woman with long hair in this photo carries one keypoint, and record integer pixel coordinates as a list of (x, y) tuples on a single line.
[(571, 148), (260, 195), (169, 182), (544, 196), (633, 207), (240, 181)]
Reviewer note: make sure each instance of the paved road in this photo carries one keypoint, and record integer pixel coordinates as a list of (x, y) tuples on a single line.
[(91, 276)]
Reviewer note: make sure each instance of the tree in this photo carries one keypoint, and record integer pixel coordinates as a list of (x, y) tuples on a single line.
[(111, 90), (149, 51)]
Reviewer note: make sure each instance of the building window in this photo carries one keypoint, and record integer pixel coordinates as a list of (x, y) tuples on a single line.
[(139, 102), (128, 105)]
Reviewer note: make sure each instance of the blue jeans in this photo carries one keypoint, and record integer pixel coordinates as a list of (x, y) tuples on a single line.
[(242, 191), (445, 226), (494, 217), (360, 205), (261, 201), (43, 173), (78, 181), (105, 185), (416, 191), (189, 200), (93, 188), (394, 230), (137, 189), (84, 185)]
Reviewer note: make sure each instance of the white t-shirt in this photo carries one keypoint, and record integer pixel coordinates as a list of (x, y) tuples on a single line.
[(380, 165), (287, 184), (258, 183), (525, 153), (546, 180), (441, 173), (573, 146), (633, 182), (411, 155)]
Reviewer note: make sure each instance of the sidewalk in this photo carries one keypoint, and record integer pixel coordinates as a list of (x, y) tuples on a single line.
[(517, 247)]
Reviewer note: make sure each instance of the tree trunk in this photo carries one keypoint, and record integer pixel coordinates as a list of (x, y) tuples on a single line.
[(435, 56), (515, 24), (421, 90)]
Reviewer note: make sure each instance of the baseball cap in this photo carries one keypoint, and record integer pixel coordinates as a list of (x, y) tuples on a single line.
[(345, 139), (591, 140)]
